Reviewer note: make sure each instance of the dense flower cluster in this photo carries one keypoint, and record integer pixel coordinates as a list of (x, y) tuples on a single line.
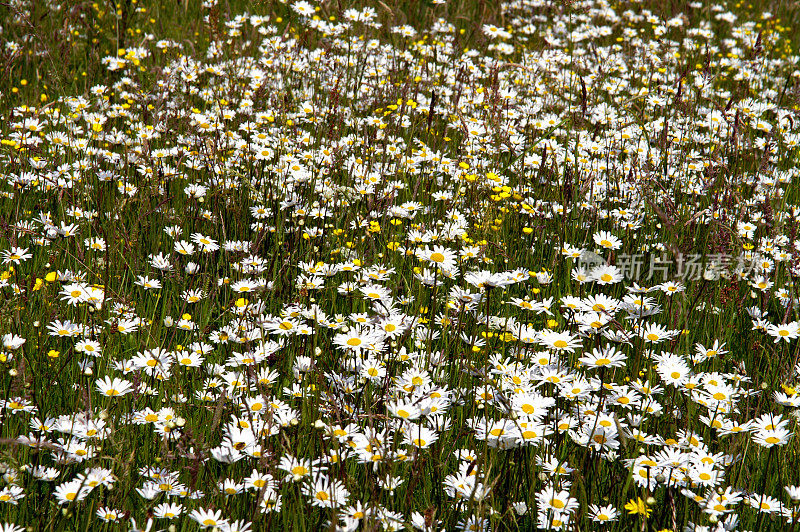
[(346, 280)]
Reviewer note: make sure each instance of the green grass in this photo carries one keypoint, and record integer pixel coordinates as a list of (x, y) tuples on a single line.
[(347, 183)]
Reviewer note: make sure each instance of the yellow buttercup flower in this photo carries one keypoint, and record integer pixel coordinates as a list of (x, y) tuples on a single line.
[(638, 506)]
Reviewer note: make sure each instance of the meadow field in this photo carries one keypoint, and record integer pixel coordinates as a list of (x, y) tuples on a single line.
[(399, 265)]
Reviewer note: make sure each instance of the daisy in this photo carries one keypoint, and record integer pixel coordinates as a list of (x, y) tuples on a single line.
[(761, 283), (732, 427), (71, 491), (15, 255), (44, 473), (257, 481), (373, 370), (606, 240), (12, 341), (357, 339), (557, 501), (95, 244), (147, 283), (65, 328), (192, 296), (532, 405), (624, 397), (599, 358), (438, 257), (326, 493), (152, 359), (704, 475), (230, 487), (108, 515), (303, 8), (167, 510), (485, 279), (606, 274), (673, 371), (655, 333), (271, 501), (244, 286), (160, 262), (670, 288), (184, 247), (74, 293), (572, 251), (173, 230), (770, 438), (531, 432), (375, 292), (559, 341), (764, 503), (522, 303), (240, 525), (787, 331), (188, 359), (419, 436), (591, 322), (208, 518), (297, 468), (474, 523), (89, 347), (393, 326), (703, 353), (207, 244), (414, 378), (580, 275), (554, 375), (113, 388), (597, 303), (11, 494)]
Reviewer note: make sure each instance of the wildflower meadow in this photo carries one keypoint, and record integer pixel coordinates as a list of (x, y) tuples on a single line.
[(472, 265)]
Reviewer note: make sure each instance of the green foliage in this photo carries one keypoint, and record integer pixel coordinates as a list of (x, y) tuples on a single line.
[(309, 269)]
